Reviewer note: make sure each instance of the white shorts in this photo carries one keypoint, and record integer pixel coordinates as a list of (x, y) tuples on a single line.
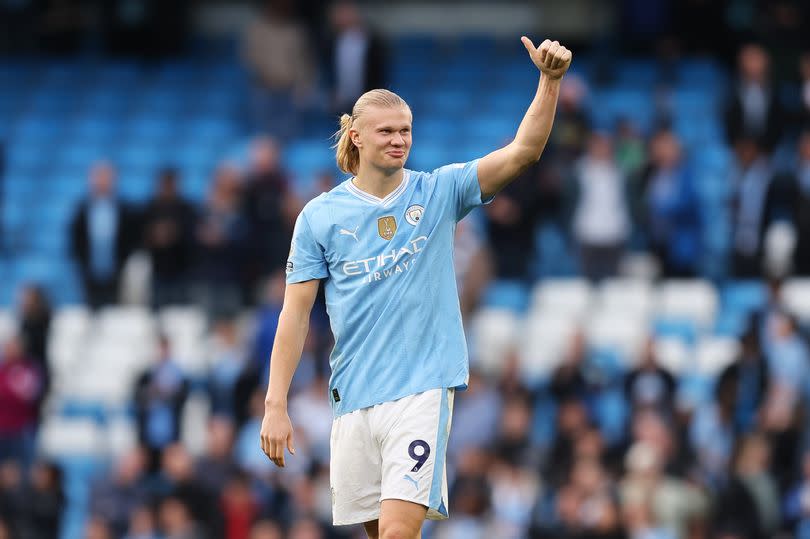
[(394, 450)]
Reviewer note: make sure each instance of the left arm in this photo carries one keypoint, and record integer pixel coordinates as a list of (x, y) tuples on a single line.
[(497, 169)]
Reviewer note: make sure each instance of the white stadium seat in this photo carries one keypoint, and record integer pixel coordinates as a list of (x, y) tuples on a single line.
[(71, 322), (796, 297), (692, 299), (493, 337), (715, 353), (8, 325), (673, 354), (62, 437), (623, 296), (133, 325), (619, 332), (562, 297), (544, 342)]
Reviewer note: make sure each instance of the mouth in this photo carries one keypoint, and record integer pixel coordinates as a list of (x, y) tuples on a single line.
[(396, 153)]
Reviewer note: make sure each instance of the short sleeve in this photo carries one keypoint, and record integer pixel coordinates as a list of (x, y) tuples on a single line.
[(467, 190), (306, 260)]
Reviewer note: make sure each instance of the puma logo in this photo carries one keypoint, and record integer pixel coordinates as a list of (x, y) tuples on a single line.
[(345, 232), (412, 480)]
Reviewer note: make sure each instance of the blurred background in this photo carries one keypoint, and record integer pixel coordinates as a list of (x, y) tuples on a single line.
[(636, 306)]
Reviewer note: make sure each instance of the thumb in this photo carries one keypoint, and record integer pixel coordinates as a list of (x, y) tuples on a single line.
[(290, 444), (528, 44)]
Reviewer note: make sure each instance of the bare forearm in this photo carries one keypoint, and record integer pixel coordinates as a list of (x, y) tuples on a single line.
[(287, 347), (534, 129)]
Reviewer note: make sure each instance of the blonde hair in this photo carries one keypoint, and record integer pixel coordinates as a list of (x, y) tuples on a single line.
[(346, 153)]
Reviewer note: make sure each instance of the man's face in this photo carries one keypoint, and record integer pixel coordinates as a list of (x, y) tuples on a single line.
[(383, 137)]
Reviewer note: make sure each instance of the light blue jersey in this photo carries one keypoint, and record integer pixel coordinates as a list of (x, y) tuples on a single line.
[(390, 283)]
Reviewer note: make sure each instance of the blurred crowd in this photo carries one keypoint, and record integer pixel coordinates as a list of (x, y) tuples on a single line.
[(594, 452)]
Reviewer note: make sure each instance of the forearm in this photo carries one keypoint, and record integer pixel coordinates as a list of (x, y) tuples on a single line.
[(534, 129), (287, 347)]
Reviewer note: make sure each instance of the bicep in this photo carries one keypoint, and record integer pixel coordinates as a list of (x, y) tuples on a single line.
[(498, 168), (299, 299)]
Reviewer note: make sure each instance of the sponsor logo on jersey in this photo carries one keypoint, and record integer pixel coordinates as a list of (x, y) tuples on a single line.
[(387, 227), (414, 214)]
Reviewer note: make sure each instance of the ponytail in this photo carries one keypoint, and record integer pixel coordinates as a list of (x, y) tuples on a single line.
[(346, 153)]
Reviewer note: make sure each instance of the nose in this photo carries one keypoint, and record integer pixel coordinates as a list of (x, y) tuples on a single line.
[(398, 140)]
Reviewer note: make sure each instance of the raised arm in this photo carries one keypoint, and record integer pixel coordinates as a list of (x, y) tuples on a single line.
[(497, 169), (293, 325)]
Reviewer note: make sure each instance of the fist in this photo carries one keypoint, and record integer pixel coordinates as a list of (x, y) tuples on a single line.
[(550, 57)]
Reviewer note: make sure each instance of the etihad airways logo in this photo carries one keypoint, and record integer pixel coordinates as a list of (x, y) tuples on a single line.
[(387, 263)]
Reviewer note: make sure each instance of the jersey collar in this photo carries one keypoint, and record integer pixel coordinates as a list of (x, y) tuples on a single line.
[(371, 199)]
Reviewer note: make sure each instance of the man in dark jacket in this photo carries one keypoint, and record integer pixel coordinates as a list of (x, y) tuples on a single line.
[(101, 237)]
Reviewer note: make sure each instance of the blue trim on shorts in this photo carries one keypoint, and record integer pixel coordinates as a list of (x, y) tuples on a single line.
[(435, 501)]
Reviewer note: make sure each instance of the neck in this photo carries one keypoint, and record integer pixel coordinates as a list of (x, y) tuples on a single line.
[(378, 182)]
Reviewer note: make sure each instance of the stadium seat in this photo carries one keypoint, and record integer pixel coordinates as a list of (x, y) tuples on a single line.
[(672, 354), (795, 294), (562, 297), (624, 296), (130, 323), (619, 333), (713, 354), (694, 300), (493, 333), (60, 438), (8, 325), (543, 343)]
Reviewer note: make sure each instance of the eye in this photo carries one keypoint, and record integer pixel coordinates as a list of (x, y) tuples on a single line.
[(385, 131)]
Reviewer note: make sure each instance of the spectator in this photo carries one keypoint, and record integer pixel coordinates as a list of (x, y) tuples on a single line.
[(797, 501), (712, 431), (265, 529), (221, 232), (754, 111), (669, 207), (5, 529), (41, 514), (601, 223), (310, 411), (674, 505), (180, 483), (21, 384), (216, 465), (270, 207), (176, 521), (102, 235), (98, 528), (113, 499), (650, 384), (511, 220), (356, 55), (571, 126), (752, 206), (749, 503), (35, 323), (160, 394), (142, 524), (168, 222), (804, 72), (239, 507), (228, 360), (750, 377), (276, 52), (800, 198), (586, 506), (12, 494)]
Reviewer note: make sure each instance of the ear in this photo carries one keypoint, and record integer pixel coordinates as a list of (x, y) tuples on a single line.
[(354, 136)]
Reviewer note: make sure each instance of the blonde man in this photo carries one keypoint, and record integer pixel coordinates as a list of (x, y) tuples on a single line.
[(382, 242)]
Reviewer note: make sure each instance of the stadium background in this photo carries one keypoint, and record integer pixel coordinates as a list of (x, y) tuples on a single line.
[(636, 305)]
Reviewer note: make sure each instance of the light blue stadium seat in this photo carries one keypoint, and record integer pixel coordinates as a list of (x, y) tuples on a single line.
[(683, 329), (504, 294)]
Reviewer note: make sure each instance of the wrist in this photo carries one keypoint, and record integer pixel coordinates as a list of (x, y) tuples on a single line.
[(275, 403)]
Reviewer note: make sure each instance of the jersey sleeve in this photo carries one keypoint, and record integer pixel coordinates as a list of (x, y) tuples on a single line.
[(306, 260), (463, 177)]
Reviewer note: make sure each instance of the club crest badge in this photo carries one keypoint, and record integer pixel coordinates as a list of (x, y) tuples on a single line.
[(387, 227), (414, 214)]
